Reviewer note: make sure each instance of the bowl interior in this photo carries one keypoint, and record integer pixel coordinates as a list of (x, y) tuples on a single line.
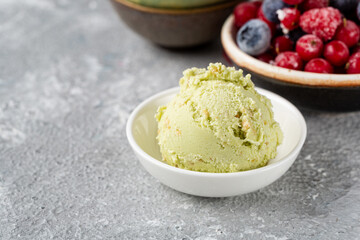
[(144, 127)]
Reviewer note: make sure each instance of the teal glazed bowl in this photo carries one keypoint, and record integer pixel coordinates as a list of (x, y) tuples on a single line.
[(331, 92), (175, 27)]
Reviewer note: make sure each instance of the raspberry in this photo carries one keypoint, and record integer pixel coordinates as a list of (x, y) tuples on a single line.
[(321, 22), (318, 65), (336, 52), (289, 18), (310, 4), (353, 66), (309, 47), (348, 33), (290, 60), (243, 12)]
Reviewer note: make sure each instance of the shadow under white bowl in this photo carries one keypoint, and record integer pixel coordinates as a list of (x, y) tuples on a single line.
[(141, 132)]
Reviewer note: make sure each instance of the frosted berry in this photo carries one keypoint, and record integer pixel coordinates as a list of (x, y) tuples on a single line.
[(310, 4), (318, 65), (290, 60), (254, 37), (309, 47), (269, 8), (336, 52), (289, 18), (348, 33), (244, 12), (353, 66), (282, 44), (321, 22)]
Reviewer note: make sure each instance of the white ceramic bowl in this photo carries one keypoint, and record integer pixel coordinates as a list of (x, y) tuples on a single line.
[(141, 131)]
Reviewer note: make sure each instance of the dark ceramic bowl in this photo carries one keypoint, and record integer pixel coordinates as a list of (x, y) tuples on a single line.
[(335, 92), (175, 27)]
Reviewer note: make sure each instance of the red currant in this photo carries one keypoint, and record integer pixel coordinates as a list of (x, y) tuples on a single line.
[(257, 3), (309, 46), (244, 12), (356, 48), (282, 44), (310, 4), (293, 2), (348, 32), (319, 65), (266, 57), (339, 70), (290, 60), (353, 66), (336, 52)]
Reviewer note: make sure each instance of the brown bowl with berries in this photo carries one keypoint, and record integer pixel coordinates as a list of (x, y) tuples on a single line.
[(306, 50)]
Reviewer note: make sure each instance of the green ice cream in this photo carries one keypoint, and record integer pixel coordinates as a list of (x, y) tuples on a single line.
[(217, 123)]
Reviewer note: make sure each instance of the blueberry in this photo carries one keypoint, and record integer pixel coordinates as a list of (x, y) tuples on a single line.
[(344, 6), (358, 11), (295, 34), (269, 8), (254, 37)]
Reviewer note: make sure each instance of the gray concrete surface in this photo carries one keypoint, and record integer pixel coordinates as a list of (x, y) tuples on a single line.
[(70, 74)]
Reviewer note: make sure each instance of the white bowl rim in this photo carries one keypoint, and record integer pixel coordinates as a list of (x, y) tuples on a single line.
[(281, 74), (146, 156)]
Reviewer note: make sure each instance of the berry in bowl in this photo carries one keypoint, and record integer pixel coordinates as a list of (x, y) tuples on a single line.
[(306, 50)]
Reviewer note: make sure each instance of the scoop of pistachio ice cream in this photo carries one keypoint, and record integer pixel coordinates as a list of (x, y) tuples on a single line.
[(217, 123)]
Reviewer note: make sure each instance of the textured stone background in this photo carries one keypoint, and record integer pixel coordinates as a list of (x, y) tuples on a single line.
[(70, 74)]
